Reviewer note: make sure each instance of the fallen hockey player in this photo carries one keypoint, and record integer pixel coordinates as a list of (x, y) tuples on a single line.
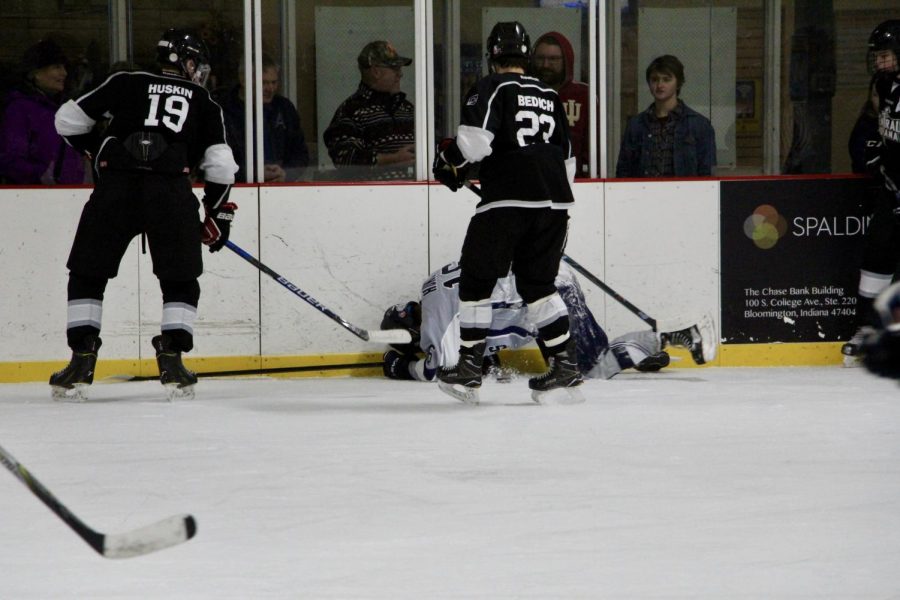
[(433, 323)]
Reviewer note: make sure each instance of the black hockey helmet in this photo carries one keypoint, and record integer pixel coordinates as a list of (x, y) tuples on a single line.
[(508, 40), (405, 316), (176, 47), (884, 37)]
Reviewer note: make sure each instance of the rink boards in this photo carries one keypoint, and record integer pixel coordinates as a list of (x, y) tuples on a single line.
[(357, 249)]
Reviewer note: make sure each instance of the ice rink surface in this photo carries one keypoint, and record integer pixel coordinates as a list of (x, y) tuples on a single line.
[(715, 483)]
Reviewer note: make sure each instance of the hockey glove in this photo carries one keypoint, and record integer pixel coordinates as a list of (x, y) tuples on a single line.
[(217, 225), (445, 172), (881, 354), (396, 365)]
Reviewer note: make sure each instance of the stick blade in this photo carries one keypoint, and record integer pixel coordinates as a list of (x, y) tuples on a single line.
[(390, 336), (158, 536)]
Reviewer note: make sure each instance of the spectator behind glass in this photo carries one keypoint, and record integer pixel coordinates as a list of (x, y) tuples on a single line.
[(373, 130), (669, 139), (31, 152), (284, 145), (865, 130), (553, 62)]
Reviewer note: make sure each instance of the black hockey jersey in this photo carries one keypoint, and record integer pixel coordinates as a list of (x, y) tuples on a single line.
[(888, 89), (165, 121), (517, 128)]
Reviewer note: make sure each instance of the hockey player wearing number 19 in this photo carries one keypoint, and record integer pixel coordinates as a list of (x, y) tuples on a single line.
[(516, 128), (162, 127)]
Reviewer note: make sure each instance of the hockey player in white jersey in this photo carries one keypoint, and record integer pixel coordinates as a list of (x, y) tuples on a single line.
[(433, 323)]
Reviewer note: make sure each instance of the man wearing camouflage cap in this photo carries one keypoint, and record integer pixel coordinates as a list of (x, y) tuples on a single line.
[(373, 131)]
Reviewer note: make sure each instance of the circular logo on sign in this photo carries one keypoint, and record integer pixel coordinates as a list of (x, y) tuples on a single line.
[(765, 226)]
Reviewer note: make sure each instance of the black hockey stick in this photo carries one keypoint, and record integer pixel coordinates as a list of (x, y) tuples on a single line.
[(252, 371), (151, 538), (615, 295), (378, 336), (594, 279)]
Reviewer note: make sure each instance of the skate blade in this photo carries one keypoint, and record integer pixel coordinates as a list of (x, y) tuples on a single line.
[(852, 362), (173, 392), (462, 393), (78, 393), (710, 339), (558, 396)]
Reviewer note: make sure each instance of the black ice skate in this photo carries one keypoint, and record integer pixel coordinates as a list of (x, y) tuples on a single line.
[(463, 380), (699, 339), (852, 348), (558, 385), (178, 380), (71, 383), (654, 362)]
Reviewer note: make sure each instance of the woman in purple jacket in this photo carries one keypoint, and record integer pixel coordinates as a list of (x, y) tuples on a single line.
[(31, 152)]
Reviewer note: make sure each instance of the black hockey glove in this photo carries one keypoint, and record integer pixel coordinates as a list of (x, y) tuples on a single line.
[(396, 366), (217, 225), (881, 354), (872, 155), (444, 171)]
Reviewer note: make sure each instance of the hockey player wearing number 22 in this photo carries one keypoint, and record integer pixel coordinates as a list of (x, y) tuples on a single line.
[(515, 126), (162, 127)]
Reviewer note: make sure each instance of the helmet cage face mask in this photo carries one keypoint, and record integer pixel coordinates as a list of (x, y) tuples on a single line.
[(186, 53), (885, 37)]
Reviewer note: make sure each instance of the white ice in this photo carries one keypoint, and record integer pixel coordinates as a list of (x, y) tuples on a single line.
[(713, 483)]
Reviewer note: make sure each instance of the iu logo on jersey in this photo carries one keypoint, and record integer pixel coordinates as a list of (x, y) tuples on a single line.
[(573, 111)]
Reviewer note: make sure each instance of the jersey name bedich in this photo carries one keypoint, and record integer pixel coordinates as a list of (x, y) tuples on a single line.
[(536, 102), (168, 88)]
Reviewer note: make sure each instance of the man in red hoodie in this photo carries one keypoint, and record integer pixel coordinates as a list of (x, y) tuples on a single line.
[(553, 62)]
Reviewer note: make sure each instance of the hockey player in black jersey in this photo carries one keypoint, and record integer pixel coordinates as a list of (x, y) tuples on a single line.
[(882, 251), (516, 128), (162, 126)]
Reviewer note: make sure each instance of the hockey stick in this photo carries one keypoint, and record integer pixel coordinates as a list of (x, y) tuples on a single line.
[(378, 336), (259, 371), (594, 279), (615, 295), (158, 536)]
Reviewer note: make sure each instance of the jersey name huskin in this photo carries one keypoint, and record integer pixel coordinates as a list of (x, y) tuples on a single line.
[(168, 88), (535, 102)]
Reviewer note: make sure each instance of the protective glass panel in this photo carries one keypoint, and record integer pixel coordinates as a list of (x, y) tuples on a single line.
[(341, 64), (561, 59), (49, 52)]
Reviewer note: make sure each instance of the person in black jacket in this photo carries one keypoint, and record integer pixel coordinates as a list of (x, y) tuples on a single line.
[(284, 144), (161, 127), (882, 160), (865, 130), (515, 126)]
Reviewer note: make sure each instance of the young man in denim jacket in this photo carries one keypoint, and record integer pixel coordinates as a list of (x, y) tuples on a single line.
[(669, 139)]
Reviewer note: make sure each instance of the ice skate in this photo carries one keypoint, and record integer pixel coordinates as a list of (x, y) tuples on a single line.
[(852, 347), (654, 362), (178, 380), (463, 380), (71, 383), (560, 384), (699, 339)]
